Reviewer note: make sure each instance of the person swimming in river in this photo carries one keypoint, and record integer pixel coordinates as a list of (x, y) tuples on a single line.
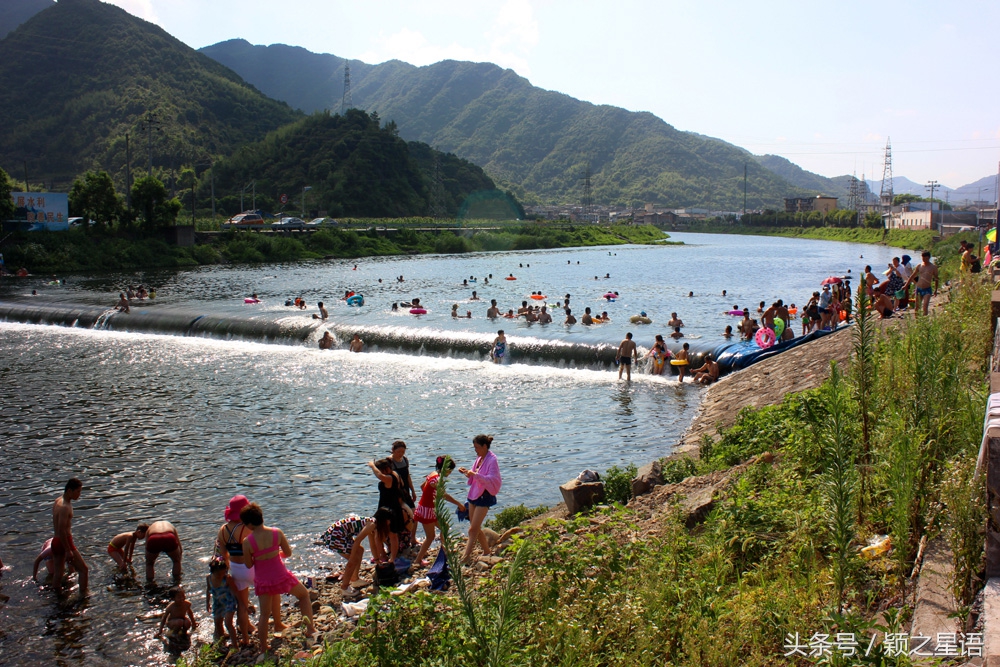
[(586, 319), (499, 347), (677, 333), (510, 314), (454, 313), (569, 317), (326, 342), (474, 297)]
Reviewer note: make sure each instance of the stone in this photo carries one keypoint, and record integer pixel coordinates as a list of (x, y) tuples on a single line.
[(935, 604), (991, 621), (313, 595), (649, 475), (581, 495), (316, 606), (697, 504)]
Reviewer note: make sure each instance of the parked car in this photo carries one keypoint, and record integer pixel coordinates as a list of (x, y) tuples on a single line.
[(78, 222), (289, 223), (245, 220)]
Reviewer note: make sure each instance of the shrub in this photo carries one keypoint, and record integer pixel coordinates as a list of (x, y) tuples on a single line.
[(509, 517), (618, 483), (678, 469)]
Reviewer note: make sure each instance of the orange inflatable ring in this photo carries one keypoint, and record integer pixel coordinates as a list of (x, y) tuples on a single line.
[(843, 315), (792, 311), (510, 278), (538, 297)]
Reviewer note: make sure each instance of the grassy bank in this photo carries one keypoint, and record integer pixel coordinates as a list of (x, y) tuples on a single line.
[(75, 250), (886, 447), (897, 238)]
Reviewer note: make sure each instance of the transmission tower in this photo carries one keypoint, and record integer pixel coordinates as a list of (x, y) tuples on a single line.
[(588, 200), (346, 103), (885, 196), (854, 197)]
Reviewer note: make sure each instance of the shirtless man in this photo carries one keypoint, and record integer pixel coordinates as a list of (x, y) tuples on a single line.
[(745, 326), (122, 304), (529, 315), (587, 319), (323, 314), (357, 345), (870, 281), (924, 275), (626, 352), (786, 317), (474, 296), (675, 321), (326, 342), (569, 317), (677, 333), (523, 309), (161, 537), (493, 312), (708, 372), (544, 317), (63, 550)]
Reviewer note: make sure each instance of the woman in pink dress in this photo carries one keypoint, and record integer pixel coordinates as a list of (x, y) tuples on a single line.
[(484, 485), (263, 551)]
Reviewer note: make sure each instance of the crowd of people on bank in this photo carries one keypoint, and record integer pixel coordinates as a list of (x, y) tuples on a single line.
[(248, 553)]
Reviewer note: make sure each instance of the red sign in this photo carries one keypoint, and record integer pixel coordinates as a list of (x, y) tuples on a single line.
[(284, 199)]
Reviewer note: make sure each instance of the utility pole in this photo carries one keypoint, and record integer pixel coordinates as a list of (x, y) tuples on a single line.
[(150, 122), (744, 190), (128, 177), (932, 185)]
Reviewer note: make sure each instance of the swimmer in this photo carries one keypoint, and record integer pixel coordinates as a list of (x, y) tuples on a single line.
[(380, 281), (492, 312), (728, 333), (510, 314), (34, 292), (544, 317), (569, 317), (357, 345), (530, 316), (161, 537), (690, 294), (627, 351), (45, 555), (399, 279), (566, 300), (520, 266), (395, 306), (288, 302), (677, 333), (604, 317), (122, 545), (122, 305), (474, 297), (586, 319), (326, 342), (465, 283), (523, 309), (609, 298), (675, 321), (454, 313), (761, 308), (323, 314), (63, 549), (499, 347), (607, 275), (724, 294), (178, 616), (486, 281), (355, 268), (302, 302)]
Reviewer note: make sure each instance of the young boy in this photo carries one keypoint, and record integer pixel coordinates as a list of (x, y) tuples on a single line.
[(122, 545), (178, 616)]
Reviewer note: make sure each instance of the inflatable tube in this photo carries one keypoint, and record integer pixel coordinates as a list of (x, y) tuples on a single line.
[(538, 297), (610, 295), (418, 311), (356, 300), (510, 278), (639, 319), (793, 311), (779, 327), (843, 315), (251, 300), (764, 338), (735, 313), (678, 362)]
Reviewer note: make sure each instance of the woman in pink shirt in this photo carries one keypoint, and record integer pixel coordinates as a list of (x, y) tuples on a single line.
[(484, 484)]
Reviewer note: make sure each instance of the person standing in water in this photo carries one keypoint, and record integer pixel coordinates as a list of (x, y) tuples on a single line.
[(323, 314), (626, 352), (357, 345), (326, 342), (161, 537), (499, 347), (493, 312), (63, 549)]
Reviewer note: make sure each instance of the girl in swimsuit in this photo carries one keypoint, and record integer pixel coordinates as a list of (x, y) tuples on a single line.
[(499, 348), (263, 550), (426, 515)]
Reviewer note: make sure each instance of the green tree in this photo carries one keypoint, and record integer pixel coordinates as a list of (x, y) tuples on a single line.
[(6, 203), (93, 197), (150, 197)]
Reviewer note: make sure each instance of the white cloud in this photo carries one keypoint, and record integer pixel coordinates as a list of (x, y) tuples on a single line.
[(141, 8)]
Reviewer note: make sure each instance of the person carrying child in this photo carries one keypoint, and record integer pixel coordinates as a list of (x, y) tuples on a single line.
[(425, 513), (122, 545), (178, 616), (222, 598)]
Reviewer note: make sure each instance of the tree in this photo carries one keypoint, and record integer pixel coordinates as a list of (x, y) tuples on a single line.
[(6, 203), (94, 198), (150, 197)]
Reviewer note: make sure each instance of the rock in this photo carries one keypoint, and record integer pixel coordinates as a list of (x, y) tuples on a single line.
[(697, 504), (313, 595), (581, 495), (316, 606), (649, 475)]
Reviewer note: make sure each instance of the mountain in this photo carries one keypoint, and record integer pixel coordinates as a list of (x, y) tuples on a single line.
[(838, 186), (985, 189), (353, 166), (15, 12), (901, 185), (537, 142), (80, 75)]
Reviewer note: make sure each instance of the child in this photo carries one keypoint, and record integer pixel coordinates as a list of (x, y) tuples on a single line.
[(347, 537), (728, 333), (682, 368), (499, 347), (123, 544), (178, 616), (222, 598), (425, 513)]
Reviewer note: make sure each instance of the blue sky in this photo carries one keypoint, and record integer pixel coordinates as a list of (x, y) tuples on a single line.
[(821, 83)]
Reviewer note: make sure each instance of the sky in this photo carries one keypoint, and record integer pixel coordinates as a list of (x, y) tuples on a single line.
[(823, 83)]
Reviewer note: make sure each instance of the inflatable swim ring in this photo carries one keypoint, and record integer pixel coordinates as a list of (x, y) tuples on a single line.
[(510, 278), (764, 338), (610, 295), (843, 315), (793, 311), (418, 311), (678, 362), (639, 319), (356, 300), (349, 295), (735, 313), (538, 297), (779, 327), (251, 300)]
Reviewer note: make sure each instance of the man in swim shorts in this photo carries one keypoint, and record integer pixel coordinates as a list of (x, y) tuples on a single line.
[(587, 319), (357, 345), (675, 321), (63, 549), (493, 312), (626, 352), (323, 314), (569, 317), (161, 537), (924, 275), (708, 372)]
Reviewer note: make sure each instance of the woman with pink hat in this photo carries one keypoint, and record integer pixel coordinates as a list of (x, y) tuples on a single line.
[(229, 545)]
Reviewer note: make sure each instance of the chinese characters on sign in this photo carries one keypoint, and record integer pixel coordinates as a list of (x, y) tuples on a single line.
[(895, 644), (42, 210)]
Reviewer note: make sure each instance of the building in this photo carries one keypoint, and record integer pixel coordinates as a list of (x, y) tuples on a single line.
[(943, 222), (820, 203)]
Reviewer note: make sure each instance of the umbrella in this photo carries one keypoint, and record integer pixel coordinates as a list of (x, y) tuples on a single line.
[(991, 235), (831, 280)]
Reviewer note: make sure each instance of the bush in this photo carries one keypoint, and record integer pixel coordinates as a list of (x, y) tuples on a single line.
[(618, 483), (678, 469), (509, 517)]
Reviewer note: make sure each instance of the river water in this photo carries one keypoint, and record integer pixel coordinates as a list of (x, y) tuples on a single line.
[(166, 425)]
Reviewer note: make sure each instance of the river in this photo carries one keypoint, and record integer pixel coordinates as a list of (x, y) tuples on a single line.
[(167, 425)]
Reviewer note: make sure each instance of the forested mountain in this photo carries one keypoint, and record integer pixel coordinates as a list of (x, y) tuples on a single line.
[(354, 167), (81, 74), (15, 12), (838, 186), (538, 142)]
